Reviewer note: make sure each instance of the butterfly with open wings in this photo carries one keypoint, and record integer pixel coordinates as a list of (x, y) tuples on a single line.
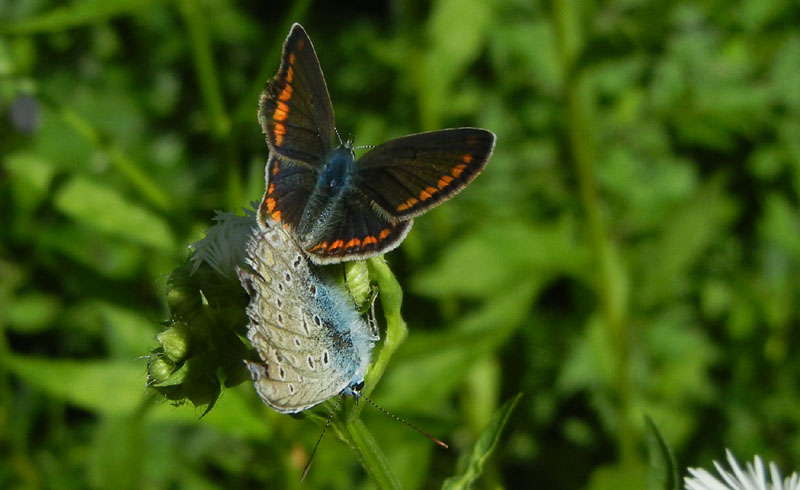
[(341, 208)]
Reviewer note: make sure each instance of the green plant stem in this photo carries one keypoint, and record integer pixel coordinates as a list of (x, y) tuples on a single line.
[(370, 455), (610, 281), (208, 78), (352, 430), (128, 168)]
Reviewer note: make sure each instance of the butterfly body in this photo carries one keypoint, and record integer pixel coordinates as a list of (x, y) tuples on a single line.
[(324, 206), (337, 169), (312, 342), (341, 207)]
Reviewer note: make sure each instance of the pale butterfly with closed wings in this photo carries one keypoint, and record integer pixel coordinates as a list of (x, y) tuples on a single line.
[(313, 342)]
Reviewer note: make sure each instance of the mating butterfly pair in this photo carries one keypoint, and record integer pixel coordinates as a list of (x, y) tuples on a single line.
[(323, 205)]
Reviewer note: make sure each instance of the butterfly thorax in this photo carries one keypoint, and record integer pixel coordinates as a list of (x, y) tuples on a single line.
[(324, 207), (338, 166)]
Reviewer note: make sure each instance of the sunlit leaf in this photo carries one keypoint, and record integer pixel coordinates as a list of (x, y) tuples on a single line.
[(79, 13), (105, 210), (483, 448), (112, 387), (662, 472)]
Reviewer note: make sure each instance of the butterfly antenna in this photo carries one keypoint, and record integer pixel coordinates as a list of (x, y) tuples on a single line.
[(404, 421), (364, 147), (324, 429), (336, 130)]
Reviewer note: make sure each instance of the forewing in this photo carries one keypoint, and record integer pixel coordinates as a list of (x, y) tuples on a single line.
[(295, 109), (407, 176)]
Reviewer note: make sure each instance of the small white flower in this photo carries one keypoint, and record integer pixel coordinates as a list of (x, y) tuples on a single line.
[(754, 479), (223, 246)]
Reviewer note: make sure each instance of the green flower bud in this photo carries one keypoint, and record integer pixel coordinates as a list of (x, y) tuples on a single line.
[(175, 342)]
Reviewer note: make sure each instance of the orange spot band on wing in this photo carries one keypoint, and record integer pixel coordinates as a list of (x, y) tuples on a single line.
[(271, 188), (384, 233), (276, 216), (456, 172), (278, 133), (319, 246), (289, 73), (275, 168), (407, 204), (369, 240), (355, 242), (281, 112), (286, 93), (427, 193), (335, 245), (270, 202), (467, 158), (444, 182)]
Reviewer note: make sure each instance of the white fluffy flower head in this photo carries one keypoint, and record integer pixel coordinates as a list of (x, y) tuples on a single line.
[(755, 478), (224, 244)]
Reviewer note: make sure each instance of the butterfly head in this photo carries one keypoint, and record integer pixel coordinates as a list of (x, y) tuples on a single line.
[(354, 390)]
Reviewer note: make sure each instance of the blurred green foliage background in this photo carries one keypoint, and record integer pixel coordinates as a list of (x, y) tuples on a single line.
[(632, 247)]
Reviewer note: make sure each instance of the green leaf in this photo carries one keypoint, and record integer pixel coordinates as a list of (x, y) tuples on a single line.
[(457, 30), (238, 412), (32, 175), (128, 333), (103, 209), (77, 14), (30, 312), (438, 362), (391, 297), (484, 447), (682, 239), (109, 256), (115, 460), (529, 253), (110, 387), (663, 473)]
